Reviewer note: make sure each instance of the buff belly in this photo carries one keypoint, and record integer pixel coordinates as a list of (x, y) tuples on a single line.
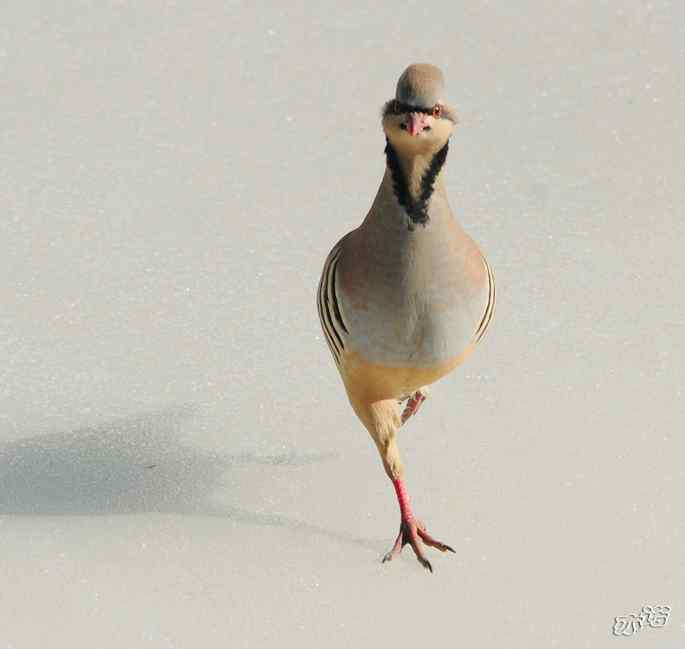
[(375, 381)]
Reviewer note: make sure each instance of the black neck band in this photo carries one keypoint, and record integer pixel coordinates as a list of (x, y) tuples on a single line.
[(416, 208)]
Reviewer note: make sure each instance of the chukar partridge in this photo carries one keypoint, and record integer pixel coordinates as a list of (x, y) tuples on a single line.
[(404, 298)]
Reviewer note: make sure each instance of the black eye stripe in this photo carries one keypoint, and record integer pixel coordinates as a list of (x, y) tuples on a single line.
[(396, 107)]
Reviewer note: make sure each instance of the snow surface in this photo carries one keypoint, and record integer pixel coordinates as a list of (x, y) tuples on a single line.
[(179, 466)]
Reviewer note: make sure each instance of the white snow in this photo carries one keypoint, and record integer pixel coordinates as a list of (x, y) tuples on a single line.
[(179, 466)]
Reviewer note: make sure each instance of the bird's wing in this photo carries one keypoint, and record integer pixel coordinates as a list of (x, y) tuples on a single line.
[(490, 307), (330, 314)]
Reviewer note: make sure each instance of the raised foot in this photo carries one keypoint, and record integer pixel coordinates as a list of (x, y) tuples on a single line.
[(414, 533), (414, 403)]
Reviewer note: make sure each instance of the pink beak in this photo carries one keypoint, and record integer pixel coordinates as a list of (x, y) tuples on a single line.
[(416, 122)]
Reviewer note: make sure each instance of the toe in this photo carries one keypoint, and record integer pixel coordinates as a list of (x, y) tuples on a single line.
[(426, 564), (433, 543)]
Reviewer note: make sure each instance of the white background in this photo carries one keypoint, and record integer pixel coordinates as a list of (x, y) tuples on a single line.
[(179, 466)]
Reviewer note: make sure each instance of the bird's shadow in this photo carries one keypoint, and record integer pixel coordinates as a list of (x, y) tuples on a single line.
[(135, 465)]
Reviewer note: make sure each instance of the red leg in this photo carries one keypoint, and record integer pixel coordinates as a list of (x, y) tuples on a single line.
[(412, 531)]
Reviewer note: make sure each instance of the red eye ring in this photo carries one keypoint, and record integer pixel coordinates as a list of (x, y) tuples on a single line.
[(437, 110)]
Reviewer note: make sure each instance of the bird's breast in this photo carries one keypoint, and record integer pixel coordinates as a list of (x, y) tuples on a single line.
[(413, 302)]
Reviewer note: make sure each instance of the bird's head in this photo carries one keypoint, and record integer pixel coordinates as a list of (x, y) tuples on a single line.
[(418, 119)]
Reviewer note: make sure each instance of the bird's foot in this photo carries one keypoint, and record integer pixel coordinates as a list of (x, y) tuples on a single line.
[(414, 533), (414, 402)]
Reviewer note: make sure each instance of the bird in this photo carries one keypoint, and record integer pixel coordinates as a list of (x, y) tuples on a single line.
[(405, 297)]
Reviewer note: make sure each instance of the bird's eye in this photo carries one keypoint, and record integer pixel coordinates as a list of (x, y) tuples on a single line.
[(437, 110)]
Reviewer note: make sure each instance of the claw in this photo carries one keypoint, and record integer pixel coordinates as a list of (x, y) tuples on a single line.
[(413, 533), (434, 543)]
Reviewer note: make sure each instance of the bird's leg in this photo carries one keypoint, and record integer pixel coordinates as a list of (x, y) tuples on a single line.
[(382, 420), (415, 401), (412, 531)]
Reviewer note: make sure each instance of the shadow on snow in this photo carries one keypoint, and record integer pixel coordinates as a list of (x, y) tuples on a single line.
[(134, 465)]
